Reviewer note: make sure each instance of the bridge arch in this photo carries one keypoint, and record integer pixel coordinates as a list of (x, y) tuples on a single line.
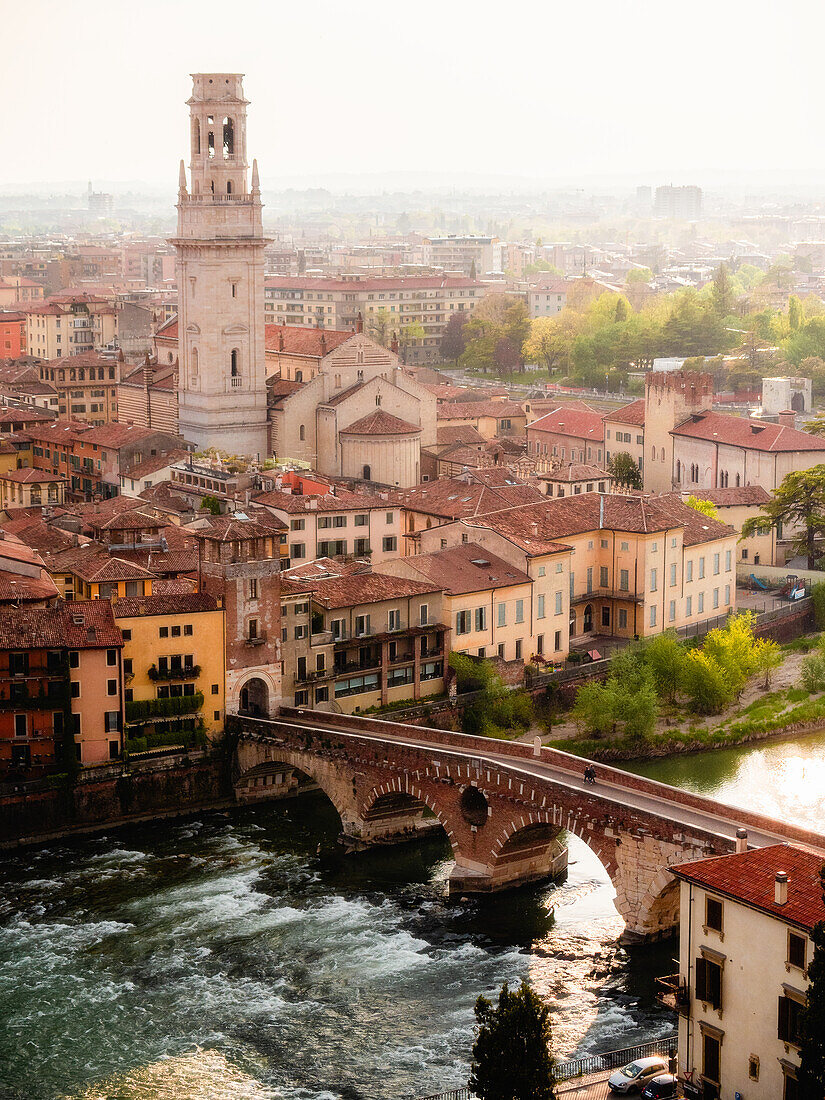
[(407, 797), (252, 772)]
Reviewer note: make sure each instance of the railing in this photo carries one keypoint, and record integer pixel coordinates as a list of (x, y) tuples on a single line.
[(186, 672), (614, 1059), (673, 993)]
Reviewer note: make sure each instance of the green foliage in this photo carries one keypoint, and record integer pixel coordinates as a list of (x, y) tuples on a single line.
[(812, 1052), (211, 504), (799, 502), (733, 650), (665, 656), (706, 507), (639, 275), (138, 709), (812, 672), (511, 1054), (624, 705), (769, 657), (721, 293), (818, 596), (625, 471), (497, 710)]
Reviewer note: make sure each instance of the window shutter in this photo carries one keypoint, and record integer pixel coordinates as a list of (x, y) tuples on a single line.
[(784, 1017), (701, 979)]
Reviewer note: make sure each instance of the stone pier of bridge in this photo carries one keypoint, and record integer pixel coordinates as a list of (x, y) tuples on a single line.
[(506, 829)]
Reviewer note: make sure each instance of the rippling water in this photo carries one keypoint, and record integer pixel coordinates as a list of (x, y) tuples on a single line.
[(220, 958)]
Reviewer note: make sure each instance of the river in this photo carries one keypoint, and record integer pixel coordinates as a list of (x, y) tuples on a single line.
[(220, 959)]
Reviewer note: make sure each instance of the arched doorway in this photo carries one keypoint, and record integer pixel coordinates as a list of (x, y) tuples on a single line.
[(798, 402), (587, 626), (254, 700)]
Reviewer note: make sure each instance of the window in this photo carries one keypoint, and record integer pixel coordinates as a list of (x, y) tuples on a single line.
[(301, 631), (163, 631), (390, 517), (624, 580), (557, 640), (540, 607), (711, 1050), (298, 550), (127, 635), (700, 603), (362, 626), (603, 576), (689, 571), (622, 618), (423, 614), (519, 611), (605, 615), (462, 622), (716, 597), (339, 521), (20, 725), (300, 524), (753, 1067), (481, 618), (559, 603), (362, 520), (302, 434), (542, 570), (654, 548), (715, 563), (394, 619), (559, 566), (654, 579), (709, 981), (390, 543), (653, 616), (689, 606), (713, 914), (111, 656), (790, 1013), (797, 951), (727, 561), (701, 568), (252, 630), (188, 630), (216, 689), (337, 628), (253, 589), (518, 650), (672, 576), (502, 614), (111, 687)]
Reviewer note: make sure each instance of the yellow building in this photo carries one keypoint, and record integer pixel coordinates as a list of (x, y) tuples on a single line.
[(69, 324), (173, 649), (487, 601), (29, 488), (735, 506), (87, 572)]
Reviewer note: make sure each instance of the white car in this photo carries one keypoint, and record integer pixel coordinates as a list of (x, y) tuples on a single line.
[(634, 1077)]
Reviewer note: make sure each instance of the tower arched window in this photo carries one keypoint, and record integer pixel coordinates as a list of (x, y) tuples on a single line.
[(196, 135), (299, 376), (81, 375), (235, 362), (737, 481), (229, 187), (228, 138), (210, 141), (367, 474), (212, 186), (378, 399), (194, 362), (302, 433)]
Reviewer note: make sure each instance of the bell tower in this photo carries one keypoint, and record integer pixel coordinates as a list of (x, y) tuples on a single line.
[(220, 275)]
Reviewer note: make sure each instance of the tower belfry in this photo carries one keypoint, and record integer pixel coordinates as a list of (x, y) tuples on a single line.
[(220, 275)]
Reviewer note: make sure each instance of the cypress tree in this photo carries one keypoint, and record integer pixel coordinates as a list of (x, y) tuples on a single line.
[(511, 1055)]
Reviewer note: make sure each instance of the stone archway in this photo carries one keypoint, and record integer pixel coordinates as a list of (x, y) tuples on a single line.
[(253, 700)]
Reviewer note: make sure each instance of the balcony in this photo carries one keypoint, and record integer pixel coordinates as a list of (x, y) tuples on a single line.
[(672, 993), (402, 658), (258, 639), (607, 593), (321, 637), (187, 672)]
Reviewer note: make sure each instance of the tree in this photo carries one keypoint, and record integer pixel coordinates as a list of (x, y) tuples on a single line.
[(769, 657), (380, 325), (454, 340), (812, 1051), (625, 472), (211, 504), (798, 502), (664, 655), (639, 275), (816, 426), (794, 313), (506, 356), (411, 332), (706, 507), (704, 683), (511, 1056), (721, 293)]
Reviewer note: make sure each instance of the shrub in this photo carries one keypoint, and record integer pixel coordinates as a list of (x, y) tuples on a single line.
[(818, 596), (705, 683)]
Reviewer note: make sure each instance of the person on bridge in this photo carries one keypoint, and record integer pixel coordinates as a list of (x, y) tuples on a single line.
[(589, 774)]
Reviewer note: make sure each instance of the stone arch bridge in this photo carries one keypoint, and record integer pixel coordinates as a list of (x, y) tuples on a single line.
[(503, 805)]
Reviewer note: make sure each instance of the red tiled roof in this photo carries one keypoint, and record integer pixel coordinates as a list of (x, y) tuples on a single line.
[(169, 329), (406, 282), (634, 413), (454, 498), (313, 343), (380, 423), (154, 463), (8, 415), (450, 434), (83, 359), (576, 471), (579, 423), (362, 588), (472, 410), (739, 431), (183, 603), (116, 435), (551, 286), (29, 476), (342, 501), (466, 568), (87, 624), (733, 496), (750, 877)]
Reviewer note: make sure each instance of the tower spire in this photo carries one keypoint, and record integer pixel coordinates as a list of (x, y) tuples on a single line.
[(256, 183), (182, 178)]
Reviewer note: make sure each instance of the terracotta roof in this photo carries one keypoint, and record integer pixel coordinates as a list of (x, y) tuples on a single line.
[(740, 431), (576, 471), (337, 398), (8, 415), (87, 624), (342, 501), (406, 282), (323, 568), (472, 410), (579, 423), (232, 529), (750, 877), (155, 463), (129, 607), (455, 498), (634, 413), (169, 329), (551, 286), (380, 423), (311, 342), (29, 476), (282, 387), (164, 496), (449, 434), (361, 588), (733, 496), (116, 435), (39, 535), (466, 568), (83, 359), (537, 527), (98, 567), (135, 519)]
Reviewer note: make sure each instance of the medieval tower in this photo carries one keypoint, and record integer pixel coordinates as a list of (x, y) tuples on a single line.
[(220, 275)]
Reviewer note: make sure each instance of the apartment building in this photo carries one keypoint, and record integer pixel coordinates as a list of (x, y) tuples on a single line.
[(12, 335), (573, 478), (68, 324), (736, 505), (173, 648), (624, 433), (388, 303), (571, 433), (497, 418), (86, 385), (29, 488), (472, 255), (337, 525), (547, 299), (740, 1008), (637, 565), (375, 639), (486, 599), (60, 681)]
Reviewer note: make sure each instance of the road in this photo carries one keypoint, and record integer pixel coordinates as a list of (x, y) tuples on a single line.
[(622, 796)]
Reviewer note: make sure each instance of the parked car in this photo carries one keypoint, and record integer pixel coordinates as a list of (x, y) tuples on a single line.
[(634, 1077), (663, 1087)]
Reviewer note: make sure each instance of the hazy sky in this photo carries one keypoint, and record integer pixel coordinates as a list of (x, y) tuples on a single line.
[(651, 90)]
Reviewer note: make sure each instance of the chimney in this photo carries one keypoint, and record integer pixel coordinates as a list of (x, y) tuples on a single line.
[(787, 419), (780, 893), (323, 342), (741, 841), (359, 322)]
